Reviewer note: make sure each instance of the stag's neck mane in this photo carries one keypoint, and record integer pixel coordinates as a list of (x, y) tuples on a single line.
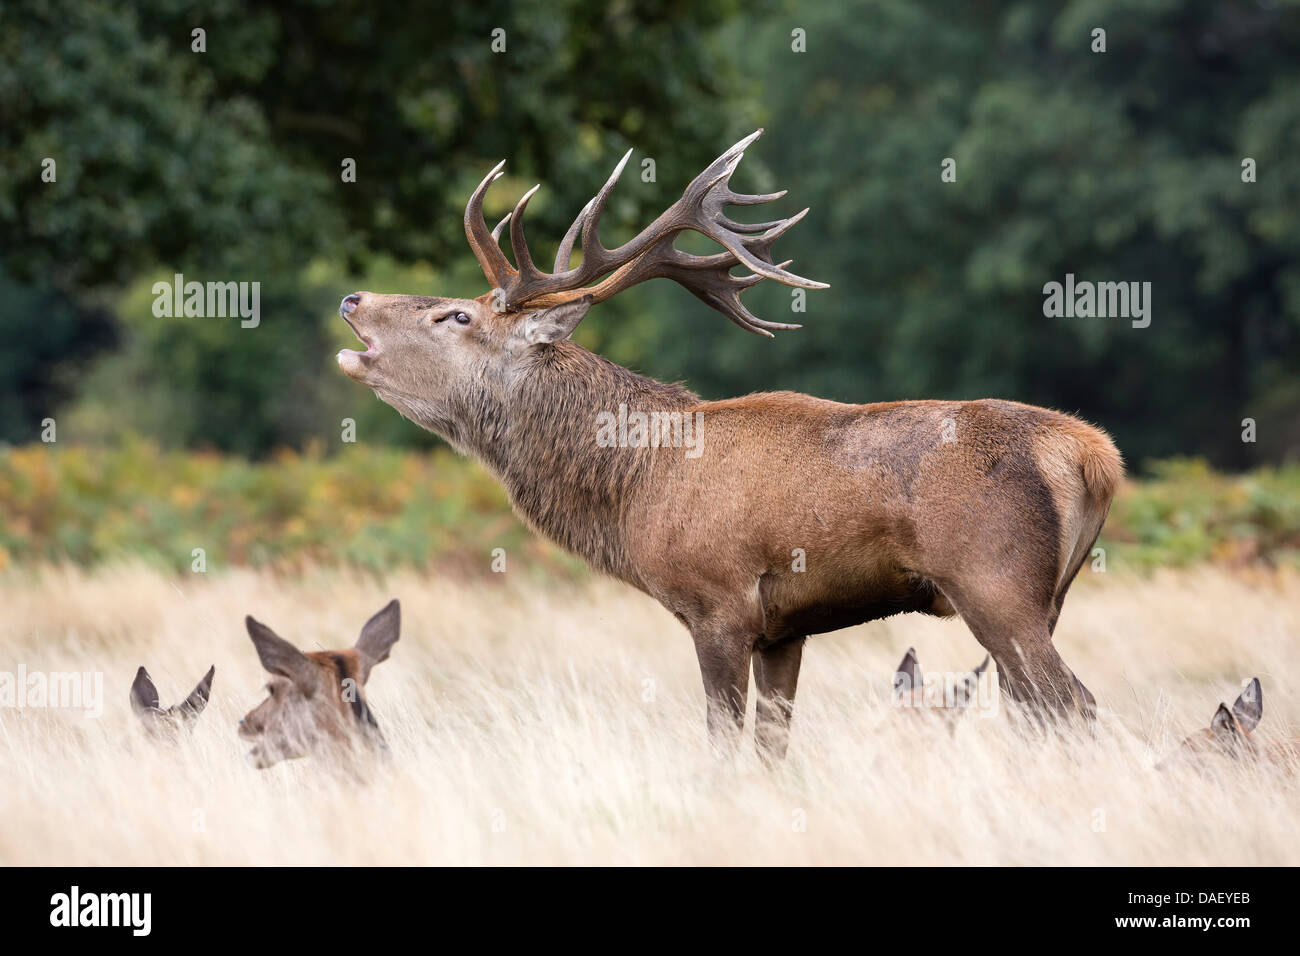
[(538, 434)]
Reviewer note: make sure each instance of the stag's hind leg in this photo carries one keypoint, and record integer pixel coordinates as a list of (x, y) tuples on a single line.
[(1016, 630), (776, 677)]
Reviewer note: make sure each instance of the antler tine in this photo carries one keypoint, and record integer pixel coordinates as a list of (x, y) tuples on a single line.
[(730, 159), (753, 199), (742, 199), (709, 219), (523, 258), (496, 268), (596, 260), (594, 255), (650, 254), (725, 298), (747, 227), (496, 232), (565, 252), (709, 279), (736, 246), (728, 303)]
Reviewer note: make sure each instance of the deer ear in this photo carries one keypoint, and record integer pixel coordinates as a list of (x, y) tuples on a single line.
[(278, 656), (1249, 707), (1223, 724), (908, 676), (144, 696), (378, 637), (970, 684), (193, 705), (556, 323)]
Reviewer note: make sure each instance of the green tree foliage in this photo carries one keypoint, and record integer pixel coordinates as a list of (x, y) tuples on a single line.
[(1123, 165), (1115, 166), (225, 165)]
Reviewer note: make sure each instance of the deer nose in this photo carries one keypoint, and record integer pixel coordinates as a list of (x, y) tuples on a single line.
[(349, 304)]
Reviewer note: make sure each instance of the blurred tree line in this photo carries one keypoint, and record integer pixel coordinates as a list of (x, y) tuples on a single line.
[(226, 165)]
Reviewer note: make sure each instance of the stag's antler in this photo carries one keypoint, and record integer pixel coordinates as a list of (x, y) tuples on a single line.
[(648, 256)]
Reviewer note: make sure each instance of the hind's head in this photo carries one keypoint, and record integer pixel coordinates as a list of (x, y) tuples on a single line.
[(1230, 731), (947, 700), (165, 722), (316, 701)]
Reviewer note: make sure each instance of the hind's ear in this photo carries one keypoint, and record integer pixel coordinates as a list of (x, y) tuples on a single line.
[(970, 684), (193, 705), (278, 656), (144, 696), (1249, 707), (378, 637), (908, 676), (1223, 725)]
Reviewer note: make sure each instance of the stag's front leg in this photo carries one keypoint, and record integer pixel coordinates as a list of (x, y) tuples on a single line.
[(724, 665)]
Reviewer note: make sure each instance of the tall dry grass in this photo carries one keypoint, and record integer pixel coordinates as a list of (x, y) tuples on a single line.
[(566, 726)]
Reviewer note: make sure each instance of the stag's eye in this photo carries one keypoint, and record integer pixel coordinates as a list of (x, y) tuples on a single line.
[(460, 317)]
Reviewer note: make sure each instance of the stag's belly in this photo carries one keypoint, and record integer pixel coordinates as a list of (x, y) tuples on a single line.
[(796, 607)]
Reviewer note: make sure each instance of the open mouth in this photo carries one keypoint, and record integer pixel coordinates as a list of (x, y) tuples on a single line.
[(353, 362), (370, 348)]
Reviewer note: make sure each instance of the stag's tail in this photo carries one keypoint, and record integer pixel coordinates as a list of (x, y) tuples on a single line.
[(1084, 469), (1100, 462)]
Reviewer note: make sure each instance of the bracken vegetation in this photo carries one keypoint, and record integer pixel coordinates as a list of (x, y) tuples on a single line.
[(379, 508)]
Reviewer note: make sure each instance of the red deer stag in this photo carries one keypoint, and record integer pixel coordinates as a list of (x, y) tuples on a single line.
[(788, 515)]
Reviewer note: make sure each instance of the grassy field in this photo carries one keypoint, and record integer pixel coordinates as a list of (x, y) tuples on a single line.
[(564, 724)]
